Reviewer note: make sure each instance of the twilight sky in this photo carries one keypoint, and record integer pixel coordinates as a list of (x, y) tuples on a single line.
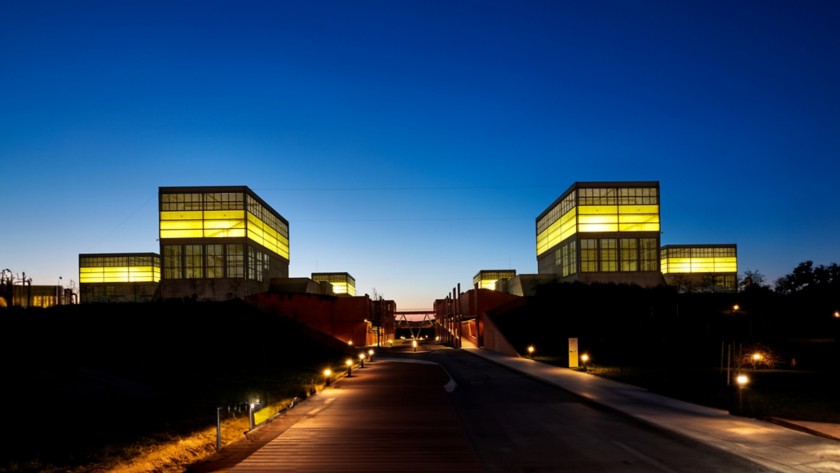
[(413, 143)]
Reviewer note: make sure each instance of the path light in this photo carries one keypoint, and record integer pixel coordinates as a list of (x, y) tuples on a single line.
[(736, 308), (349, 364), (328, 376), (742, 381), (584, 358), (837, 314), (370, 355), (531, 351), (361, 360), (756, 359), (414, 344)]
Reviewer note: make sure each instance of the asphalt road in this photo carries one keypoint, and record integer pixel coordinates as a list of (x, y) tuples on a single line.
[(519, 424)]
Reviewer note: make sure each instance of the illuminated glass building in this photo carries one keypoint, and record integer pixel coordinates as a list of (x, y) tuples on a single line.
[(487, 278), (602, 232), (700, 268), (118, 277), (342, 283), (219, 243)]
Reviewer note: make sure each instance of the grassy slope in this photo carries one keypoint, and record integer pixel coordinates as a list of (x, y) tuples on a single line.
[(83, 380)]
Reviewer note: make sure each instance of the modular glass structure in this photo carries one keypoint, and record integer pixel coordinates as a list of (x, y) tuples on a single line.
[(602, 231), (219, 242), (487, 278), (118, 277), (700, 267), (342, 283)]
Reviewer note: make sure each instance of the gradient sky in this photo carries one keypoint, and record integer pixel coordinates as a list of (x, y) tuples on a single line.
[(413, 143)]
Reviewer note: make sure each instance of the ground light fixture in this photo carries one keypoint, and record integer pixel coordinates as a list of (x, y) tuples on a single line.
[(251, 415), (370, 355), (584, 358), (361, 360), (531, 350), (756, 358), (742, 380), (414, 344), (328, 376), (349, 364)]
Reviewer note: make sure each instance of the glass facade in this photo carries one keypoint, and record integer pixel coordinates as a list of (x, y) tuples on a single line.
[(222, 214), (212, 261), (603, 209), (221, 233), (699, 259), (119, 268), (701, 268), (342, 283), (610, 227), (119, 277), (486, 279)]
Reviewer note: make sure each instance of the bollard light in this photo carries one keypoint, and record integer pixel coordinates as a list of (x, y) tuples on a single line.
[(328, 376), (349, 364), (370, 355), (361, 360), (742, 381), (531, 350), (414, 344), (584, 358)]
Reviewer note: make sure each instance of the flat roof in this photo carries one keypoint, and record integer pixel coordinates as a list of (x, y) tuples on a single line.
[(596, 185), (208, 189), (95, 255)]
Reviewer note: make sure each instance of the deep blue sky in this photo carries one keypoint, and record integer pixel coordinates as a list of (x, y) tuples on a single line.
[(413, 143)]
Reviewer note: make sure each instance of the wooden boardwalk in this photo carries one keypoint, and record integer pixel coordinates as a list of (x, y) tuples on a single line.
[(388, 417)]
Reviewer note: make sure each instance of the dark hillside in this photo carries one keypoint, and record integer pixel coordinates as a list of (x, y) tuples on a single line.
[(690, 345), (79, 377)]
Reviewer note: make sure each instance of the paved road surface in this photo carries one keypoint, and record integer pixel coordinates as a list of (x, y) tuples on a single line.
[(518, 424), (404, 414)]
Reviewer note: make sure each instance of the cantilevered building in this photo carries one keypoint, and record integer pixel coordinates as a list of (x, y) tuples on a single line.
[(219, 243), (342, 283), (700, 268), (118, 277), (487, 278), (602, 232)]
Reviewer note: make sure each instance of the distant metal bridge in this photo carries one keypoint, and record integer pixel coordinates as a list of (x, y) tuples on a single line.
[(415, 326)]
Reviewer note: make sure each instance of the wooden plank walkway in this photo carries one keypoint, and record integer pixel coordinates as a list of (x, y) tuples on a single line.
[(388, 417)]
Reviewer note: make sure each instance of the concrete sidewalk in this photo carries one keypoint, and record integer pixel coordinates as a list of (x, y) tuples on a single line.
[(800, 447)]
